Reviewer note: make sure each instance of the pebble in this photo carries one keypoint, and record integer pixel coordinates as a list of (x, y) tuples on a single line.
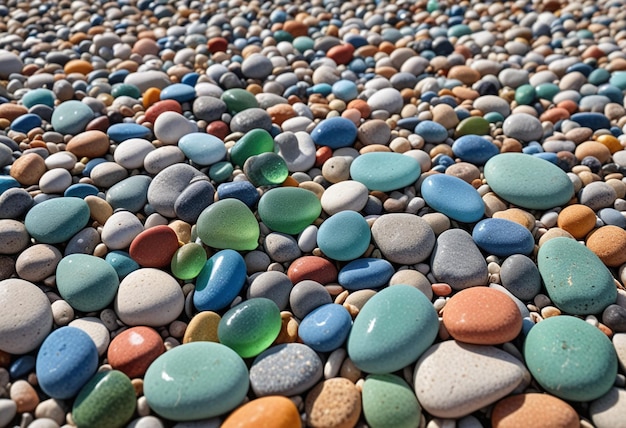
[(345, 195), (608, 410), (132, 351), (273, 285), (90, 144), (415, 247), (28, 169), (365, 273), (453, 197), (520, 276), (288, 209), (474, 149), (388, 399), (279, 412), (385, 171), (56, 220), (566, 342), (344, 236), (577, 219), (333, 402), (120, 229), (335, 132), (220, 281), (386, 99), (202, 328), (533, 408), (608, 243), (71, 117), (502, 237), (325, 328), (14, 237), (228, 224), (457, 261), (306, 295), (154, 247)]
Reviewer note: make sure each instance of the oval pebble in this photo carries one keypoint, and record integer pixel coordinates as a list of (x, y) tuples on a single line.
[(202, 149), (37, 262), (609, 244), (288, 209), (228, 224), (326, 327), (345, 195), (57, 220), (535, 409), (344, 236), (13, 237), (220, 281), (418, 238), (335, 132), (120, 230), (385, 171), (520, 276), (502, 237), (453, 197), (133, 350), (474, 149), (457, 261), (365, 273), (154, 247), (388, 400), (278, 412), (334, 402), (202, 328)]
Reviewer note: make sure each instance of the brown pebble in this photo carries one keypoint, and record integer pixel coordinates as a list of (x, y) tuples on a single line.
[(609, 244), (202, 328), (577, 219), (28, 169), (146, 46), (533, 410), (445, 115), (24, 395), (10, 111), (465, 171), (89, 144), (333, 403), (281, 112)]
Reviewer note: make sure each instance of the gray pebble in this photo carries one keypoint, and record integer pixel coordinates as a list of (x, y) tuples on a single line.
[(597, 195), (208, 108), (130, 194), (106, 174), (37, 262), (523, 127), (281, 247), (520, 276), (610, 409), (13, 236), (488, 103), (256, 261), (84, 242), (387, 99), (249, 119), (193, 200), (168, 185), (9, 64), (159, 159), (306, 296), (614, 317), (272, 285), (6, 156), (457, 261), (520, 305), (14, 203), (513, 78), (403, 238)]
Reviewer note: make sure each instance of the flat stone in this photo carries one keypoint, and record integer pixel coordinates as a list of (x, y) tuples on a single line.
[(385, 171), (416, 245), (502, 237), (453, 197), (520, 276), (278, 411)]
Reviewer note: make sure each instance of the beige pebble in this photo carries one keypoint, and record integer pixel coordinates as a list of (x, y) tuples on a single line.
[(350, 371), (28, 169), (438, 222), (517, 215), (182, 229), (37, 262), (24, 395), (593, 148), (202, 327), (536, 410), (13, 236), (99, 209), (413, 278), (465, 171), (493, 204), (619, 186), (51, 409), (333, 403), (554, 233), (62, 312), (336, 169)]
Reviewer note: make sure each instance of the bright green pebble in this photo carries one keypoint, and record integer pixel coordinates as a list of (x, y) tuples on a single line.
[(221, 171), (388, 401), (188, 261), (228, 223), (253, 143), (547, 91), (570, 358), (472, 125), (125, 89), (289, 209), (266, 169), (250, 327), (525, 94), (238, 99), (107, 400)]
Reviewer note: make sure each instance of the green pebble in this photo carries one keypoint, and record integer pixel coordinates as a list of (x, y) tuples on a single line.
[(188, 261), (238, 99), (266, 169), (108, 400), (388, 401), (253, 143), (459, 30), (472, 125), (221, 171), (618, 78), (228, 224), (432, 6), (570, 358), (493, 117), (546, 91), (289, 209), (525, 95), (125, 89), (250, 327)]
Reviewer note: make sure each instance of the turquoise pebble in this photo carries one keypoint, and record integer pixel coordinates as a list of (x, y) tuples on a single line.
[(250, 327), (345, 90), (547, 91), (71, 117), (303, 43), (178, 92), (453, 197), (599, 76), (344, 236), (130, 194), (570, 359), (502, 237), (26, 122), (196, 380), (527, 181), (618, 78), (86, 282), (252, 143), (385, 171), (67, 359), (388, 401), (431, 132), (107, 401), (221, 171), (122, 262), (459, 30), (125, 89), (335, 132), (289, 209), (221, 279), (283, 36), (321, 88), (525, 94), (202, 149), (367, 272), (474, 149), (81, 190), (124, 131), (188, 261), (38, 96), (56, 220), (241, 189), (493, 117), (7, 182), (567, 269), (266, 169), (326, 327), (595, 121), (228, 223), (383, 341)]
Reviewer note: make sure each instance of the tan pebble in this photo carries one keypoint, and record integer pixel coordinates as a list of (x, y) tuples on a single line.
[(593, 148), (438, 222), (579, 135), (511, 145), (413, 278), (28, 169), (336, 169), (10, 111), (577, 219), (99, 209), (51, 409), (333, 403), (312, 186), (89, 144), (374, 148), (533, 410), (202, 328), (288, 329), (619, 186), (493, 204), (609, 244), (374, 131), (265, 412), (350, 371), (517, 215), (137, 386), (550, 311), (445, 116), (182, 229), (465, 171), (24, 395), (359, 298), (465, 93)]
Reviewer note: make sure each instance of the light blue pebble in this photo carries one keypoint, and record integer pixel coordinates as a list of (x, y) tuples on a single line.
[(325, 328), (385, 171), (474, 149), (81, 190), (335, 132), (345, 90), (26, 122), (125, 131), (431, 132), (130, 194), (344, 236), (66, 360), (503, 237), (365, 273), (320, 88), (611, 216), (71, 117), (38, 96), (122, 262), (7, 182), (453, 197), (219, 281), (203, 149), (179, 92), (242, 190)]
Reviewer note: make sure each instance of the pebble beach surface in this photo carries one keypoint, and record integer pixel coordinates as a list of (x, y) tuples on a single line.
[(327, 214)]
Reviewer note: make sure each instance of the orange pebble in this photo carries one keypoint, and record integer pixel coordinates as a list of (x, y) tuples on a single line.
[(322, 155), (312, 267), (441, 289), (151, 96), (265, 412), (536, 410), (78, 66), (341, 54), (386, 47), (609, 244), (362, 106), (554, 115), (568, 105), (610, 142), (577, 219), (290, 182)]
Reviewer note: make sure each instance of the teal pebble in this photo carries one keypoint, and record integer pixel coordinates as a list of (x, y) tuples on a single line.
[(493, 117), (38, 96), (618, 78), (202, 149), (71, 117), (221, 171), (196, 380), (125, 89), (303, 43), (56, 220), (385, 171), (459, 30), (547, 91), (525, 94), (344, 236), (7, 182), (122, 262), (130, 194), (599, 76)]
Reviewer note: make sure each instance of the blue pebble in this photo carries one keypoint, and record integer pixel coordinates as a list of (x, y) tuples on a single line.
[(443, 160), (203, 149), (323, 89), (408, 123), (502, 237), (325, 328), (550, 157), (453, 197), (613, 93), (344, 236), (26, 122), (197, 196), (220, 281), (81, 190), (67, 359), (618, 78), (355, 40), (335, 132), (179, 92), (345, 90), (365, 273), (581, 67), (242, 190), (190, 79), (91, 164), (612, 217), (7, 182), (474, 149), (595, 121), (122, 262), (22, 366), (117, 76), (431, 132), (124, 131)]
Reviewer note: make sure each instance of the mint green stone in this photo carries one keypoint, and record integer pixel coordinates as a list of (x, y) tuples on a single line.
[(238, 99), (71, 117), (547, 91), (344, 236), (221, 171), (282, 36), (493, 117), (87, 283), (38, 96), (266, 169), (188, 261), (525, 94), (253, 143), (472, 125), (303, 43), (570, 359), (528, 181), (385, 171), (107, 401), (196, 380), (289, 209), (228, 224), (584, 34), (599, 76), (125, 89), (432, 6), (57, 220), (388, 401), (575, 278), (250, 327)]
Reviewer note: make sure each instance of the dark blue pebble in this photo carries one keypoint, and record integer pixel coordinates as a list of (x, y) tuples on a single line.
[(502, 237), (595, 121), (242, 190), (81, 190), (90, 165), (117, 76), (474, 149), (193, 200), (22, 366), (365, 273), (26, 122)]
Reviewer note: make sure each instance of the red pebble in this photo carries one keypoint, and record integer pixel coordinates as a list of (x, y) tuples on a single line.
[(322, 155), (133, 350), (218, 129), (341, 54), (217, 44), (441, 289), (154, 247), (314, 268), (161, 107)]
